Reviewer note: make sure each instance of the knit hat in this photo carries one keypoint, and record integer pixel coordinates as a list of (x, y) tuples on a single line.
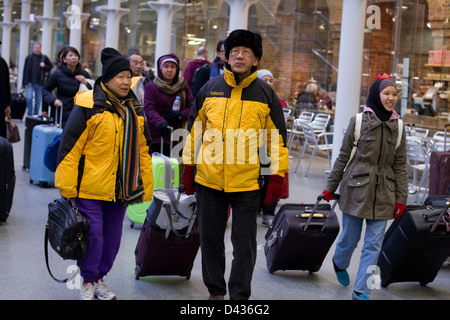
[(264, 72), (172, 57), (113, 63), (244, 38)]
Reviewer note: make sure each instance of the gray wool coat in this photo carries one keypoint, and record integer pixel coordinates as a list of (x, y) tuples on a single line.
[(376, 178)]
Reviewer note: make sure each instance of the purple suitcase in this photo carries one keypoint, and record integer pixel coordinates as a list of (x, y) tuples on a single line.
[(440, 171), (158, 255)]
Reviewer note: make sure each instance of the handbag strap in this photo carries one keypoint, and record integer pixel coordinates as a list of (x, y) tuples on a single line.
[(48, 265)]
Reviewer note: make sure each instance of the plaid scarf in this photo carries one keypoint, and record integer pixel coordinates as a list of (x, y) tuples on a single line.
[(132, 186)]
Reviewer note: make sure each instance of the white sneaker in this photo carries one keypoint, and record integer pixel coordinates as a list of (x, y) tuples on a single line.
[(102, 292), (87, 291)]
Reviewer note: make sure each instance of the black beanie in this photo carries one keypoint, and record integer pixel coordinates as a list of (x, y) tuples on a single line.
[(244, 38), (113, 63)]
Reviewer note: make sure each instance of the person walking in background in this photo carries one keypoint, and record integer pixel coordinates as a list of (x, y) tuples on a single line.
[(159, 99), (269, 194), (373, 184), (5, 96), (202, 58), (66, 79), (206, 72), (104, 162), (225, 110), (34, 73), (140, 78)]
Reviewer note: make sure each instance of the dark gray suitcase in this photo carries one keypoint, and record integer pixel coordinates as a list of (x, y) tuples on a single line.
[(7, 178), (301, 236), (415, 246)]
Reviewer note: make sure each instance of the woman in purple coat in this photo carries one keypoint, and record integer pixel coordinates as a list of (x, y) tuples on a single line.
[(158, 101)]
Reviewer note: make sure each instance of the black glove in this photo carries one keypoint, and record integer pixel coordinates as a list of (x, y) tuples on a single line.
[(173, 117), (162, 128)]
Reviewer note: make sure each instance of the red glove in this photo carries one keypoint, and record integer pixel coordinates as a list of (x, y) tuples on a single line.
[(399, 210), (328, 196), (188, 179), (274, 189)]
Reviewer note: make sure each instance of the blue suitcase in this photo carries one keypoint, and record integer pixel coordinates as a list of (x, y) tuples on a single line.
[(42, 136)]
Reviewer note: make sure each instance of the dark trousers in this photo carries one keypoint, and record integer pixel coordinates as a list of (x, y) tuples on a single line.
[(212, 214)]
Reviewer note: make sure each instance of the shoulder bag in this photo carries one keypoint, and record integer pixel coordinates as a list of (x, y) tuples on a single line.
[(66, 231)]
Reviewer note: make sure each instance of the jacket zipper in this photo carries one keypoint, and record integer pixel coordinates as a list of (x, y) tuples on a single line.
[(378, 172)]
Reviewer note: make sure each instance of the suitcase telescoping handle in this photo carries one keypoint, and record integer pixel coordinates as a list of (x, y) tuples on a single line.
[(444, 211), (162, 141), (320, 198), (445, 135)]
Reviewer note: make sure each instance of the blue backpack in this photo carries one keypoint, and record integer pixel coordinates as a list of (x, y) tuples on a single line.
[(51, 154)]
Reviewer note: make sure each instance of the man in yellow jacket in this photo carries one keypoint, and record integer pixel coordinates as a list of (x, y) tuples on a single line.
[(104, 162), (236, 119)]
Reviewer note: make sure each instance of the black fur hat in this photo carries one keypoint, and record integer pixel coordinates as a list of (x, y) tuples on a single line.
[(245, 38)]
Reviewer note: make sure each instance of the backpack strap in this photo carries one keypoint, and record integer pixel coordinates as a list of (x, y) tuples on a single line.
[(357, 135), (400, 133)]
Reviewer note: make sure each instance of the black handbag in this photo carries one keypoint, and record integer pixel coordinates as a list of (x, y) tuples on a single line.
[(66, 231)]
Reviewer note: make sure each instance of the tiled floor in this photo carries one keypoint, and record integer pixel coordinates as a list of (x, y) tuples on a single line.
[(24, 274)]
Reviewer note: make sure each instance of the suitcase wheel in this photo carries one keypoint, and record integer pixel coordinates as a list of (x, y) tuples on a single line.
[(132, 225), (384, 284), (136, 273), (315, 269), (188, 277), (423, 283)]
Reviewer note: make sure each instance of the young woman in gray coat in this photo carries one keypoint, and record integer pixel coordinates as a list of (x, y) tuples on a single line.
[(373, 184)]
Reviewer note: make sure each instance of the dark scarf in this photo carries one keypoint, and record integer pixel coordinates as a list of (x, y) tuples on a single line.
[(132, 186), (374, 100)]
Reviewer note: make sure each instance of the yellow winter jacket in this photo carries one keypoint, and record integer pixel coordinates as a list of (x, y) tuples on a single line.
[(90, 152), (226, 126)]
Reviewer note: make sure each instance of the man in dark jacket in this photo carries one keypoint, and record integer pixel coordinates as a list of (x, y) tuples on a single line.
[(236, 102), (36, 65), (5, 95)]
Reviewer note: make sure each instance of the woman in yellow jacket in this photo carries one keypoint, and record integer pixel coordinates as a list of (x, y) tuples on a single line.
[(104, 162)]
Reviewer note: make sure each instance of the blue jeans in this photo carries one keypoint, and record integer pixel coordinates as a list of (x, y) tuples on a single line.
[(37, 89), (348, 240)]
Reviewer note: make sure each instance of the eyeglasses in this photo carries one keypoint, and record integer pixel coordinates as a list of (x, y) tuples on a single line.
[(140, 63), (245, 52)]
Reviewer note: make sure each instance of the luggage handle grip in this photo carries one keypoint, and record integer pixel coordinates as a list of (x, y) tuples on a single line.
[(447, 205), (320, 198)]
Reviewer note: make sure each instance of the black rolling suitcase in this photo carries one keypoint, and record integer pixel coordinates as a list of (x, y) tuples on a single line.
[(18, 105), (301, 236), (7, 178), (30, 123), (415, 246)]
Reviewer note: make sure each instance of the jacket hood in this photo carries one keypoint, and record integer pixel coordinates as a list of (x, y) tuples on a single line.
[(168, 57)]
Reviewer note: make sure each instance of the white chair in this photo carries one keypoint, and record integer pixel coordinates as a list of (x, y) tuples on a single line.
[(320, 123), (296, 131), (418, 160), (314, 141), (287, 112), (419, 132), (439, 138)]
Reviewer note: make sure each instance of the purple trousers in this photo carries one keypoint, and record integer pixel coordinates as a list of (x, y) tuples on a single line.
[(105, 233)]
